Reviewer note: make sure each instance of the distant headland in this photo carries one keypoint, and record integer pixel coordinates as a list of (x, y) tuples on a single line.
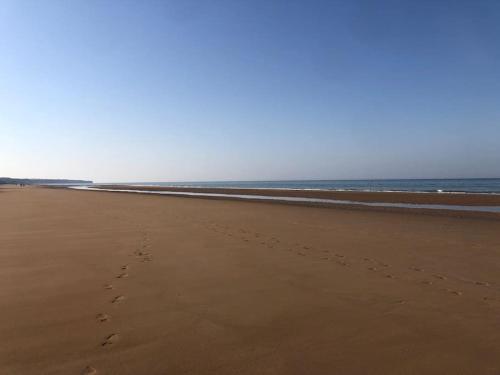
[(39, 181)]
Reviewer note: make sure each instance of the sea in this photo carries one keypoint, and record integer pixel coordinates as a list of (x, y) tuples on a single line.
[(465, 185)]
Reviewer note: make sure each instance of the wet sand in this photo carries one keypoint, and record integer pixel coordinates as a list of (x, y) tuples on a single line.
[(112, 283), (357, 196)]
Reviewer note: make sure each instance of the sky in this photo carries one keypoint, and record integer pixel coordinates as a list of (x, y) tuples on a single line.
[(249, 90)]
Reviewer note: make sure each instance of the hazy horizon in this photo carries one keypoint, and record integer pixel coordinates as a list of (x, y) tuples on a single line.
[(249, 91), (273, 180)]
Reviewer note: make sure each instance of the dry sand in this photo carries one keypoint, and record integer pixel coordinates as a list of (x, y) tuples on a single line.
[(138, 284)]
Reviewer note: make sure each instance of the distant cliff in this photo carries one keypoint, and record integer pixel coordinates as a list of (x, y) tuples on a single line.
[(40, 181)]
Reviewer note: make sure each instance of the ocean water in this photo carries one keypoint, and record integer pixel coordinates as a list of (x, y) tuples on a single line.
[(476, 185)]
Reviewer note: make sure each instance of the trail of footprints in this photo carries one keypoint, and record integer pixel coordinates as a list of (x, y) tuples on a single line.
[(369, 264), (142, 255), (423, 277)]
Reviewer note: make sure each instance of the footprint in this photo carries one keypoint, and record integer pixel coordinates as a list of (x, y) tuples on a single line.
[(125, 267), (372, 268), (426, 282), (118, 299), (490, 299), (324, 258), (122, 276), (416, 269), (389, 276), (111, 339), (108, 286), (89, 370), (455, 292), (482, 283), (339, 256), (342, 263), (301, 254), (102, 317), (441, 277)]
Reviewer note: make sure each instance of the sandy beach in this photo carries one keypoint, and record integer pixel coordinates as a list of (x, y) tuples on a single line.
[(122, 284)]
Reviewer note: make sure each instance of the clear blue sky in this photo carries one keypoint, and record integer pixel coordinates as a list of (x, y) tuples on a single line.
[(243, 90)]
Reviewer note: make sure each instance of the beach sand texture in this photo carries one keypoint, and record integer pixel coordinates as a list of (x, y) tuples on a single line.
[(113, 283)]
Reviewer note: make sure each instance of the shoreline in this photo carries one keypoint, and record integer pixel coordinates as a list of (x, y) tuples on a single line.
[(462, 199), (438, 191), (389, 202)]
